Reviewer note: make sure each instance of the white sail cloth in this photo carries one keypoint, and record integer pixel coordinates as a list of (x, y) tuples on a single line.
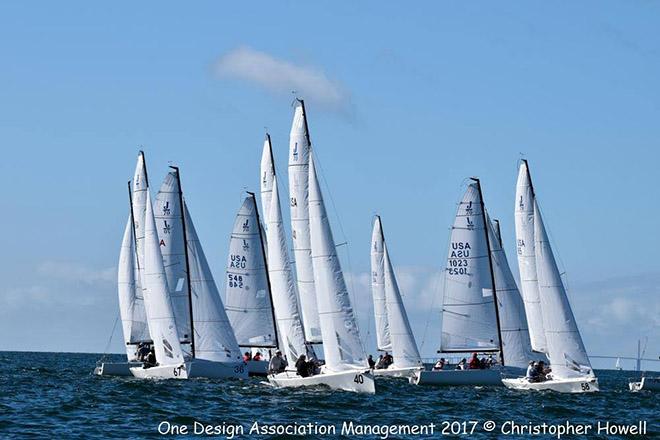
[(341, 340), (283, 286), (513, 323), (248, 296), (566, 351), (214, 337), (468, 314), (299, 154), (162, 324), (131, 304), (383, 340), (524, 218), (167, 213), (404, 347)]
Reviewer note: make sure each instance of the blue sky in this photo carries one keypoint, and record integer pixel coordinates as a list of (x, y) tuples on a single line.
[(404, 104)]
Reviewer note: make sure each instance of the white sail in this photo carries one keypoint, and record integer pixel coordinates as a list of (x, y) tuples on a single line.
[(383, 340), (524, 217), (247, 302), (341, 340), (299, 153), (167, 212), (139, 200), (283, 286), (468, 313), (568, 357), (513, 323), (404, 347), (131, 305), (162, 324), (214, 337)]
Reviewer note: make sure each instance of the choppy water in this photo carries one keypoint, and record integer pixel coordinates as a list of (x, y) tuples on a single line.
[(55, 395)]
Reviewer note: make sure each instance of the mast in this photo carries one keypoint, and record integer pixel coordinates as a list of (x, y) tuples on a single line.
[(130, 202), (270, 150), (490, 265), (185, 248), (304, 111), (529, 177), (263, 253)]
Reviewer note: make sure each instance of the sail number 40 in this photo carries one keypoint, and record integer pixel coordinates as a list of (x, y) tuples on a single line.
[(358, 378)]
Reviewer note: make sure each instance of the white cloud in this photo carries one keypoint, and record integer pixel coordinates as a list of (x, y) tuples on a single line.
[(281, 76), (76, 272)]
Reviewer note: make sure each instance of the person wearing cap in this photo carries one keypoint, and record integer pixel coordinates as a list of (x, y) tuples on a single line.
[(277, 363), (530, 371)]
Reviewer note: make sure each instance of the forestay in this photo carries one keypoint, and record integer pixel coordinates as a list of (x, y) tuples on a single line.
[(131, 305), (214, 337), (383, 339), (468, 313), (513, 323), (162, 324), (248, 297), (524, 218), (171, 236), (299, 154), (568, 357), (404, 347), (341, 340), (283, 287)]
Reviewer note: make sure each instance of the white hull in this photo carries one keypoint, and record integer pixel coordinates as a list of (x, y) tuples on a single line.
[(116, 368), (646, 384), (358, 381), (194, 369), (257, 368), (486, 377), (573, 385), (405, 372)]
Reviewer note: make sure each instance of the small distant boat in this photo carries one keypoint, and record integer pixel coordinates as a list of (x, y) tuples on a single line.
[(571, 369), (617, 365), (393, 330), (645, 384), (345, 365)]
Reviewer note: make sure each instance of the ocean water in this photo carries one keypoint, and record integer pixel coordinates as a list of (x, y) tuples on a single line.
[(55, 395)]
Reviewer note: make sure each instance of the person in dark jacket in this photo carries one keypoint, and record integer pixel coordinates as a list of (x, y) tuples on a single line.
[(302, 366), (372, 362), (150, 360)]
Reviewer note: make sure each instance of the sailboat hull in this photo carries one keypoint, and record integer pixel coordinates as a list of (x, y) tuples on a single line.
[(162, 372), (198, 368), (257, 368), (573, 385), (116, 368), (487, 377), (404, 372), (358, 381), (646, 384)]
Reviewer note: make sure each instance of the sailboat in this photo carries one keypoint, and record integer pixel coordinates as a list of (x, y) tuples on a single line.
[(206, 339), (393, 332), (571, 369), (617, 365), (345, 365), (299, 156), (249, 302), (131, 303), (283, 288)]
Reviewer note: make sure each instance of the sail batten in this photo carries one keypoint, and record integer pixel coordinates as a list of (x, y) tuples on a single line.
[(299, 155)]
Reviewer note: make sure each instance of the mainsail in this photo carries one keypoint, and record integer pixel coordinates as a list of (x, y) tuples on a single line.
[(162, 324), (299, 156), (469, 321), (404, 347), (248, 301), (131, 304), (167, 212), (214, 337), (514, 331), (568, 357), (383, 340), (283, 287), (524, 216), (341, 340)]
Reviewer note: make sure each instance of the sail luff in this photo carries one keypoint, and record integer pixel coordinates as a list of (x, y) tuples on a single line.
[(299, 153), (157, 299), (267, 174), (524, 221), (341, 340), (383, 340)]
